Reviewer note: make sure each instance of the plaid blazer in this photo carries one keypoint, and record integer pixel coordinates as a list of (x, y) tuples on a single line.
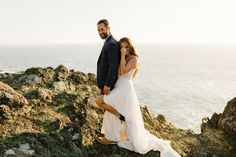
[(108, 63)]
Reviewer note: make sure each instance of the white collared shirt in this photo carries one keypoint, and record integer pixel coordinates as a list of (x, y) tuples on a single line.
[(107, 38)]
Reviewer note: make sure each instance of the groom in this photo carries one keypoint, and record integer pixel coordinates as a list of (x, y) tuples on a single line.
[(109, 59), (107, 69)]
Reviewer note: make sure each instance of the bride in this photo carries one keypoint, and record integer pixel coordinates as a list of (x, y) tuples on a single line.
[(122, 122)]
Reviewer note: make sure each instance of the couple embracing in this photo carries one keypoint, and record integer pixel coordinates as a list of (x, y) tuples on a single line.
[(123, 124)]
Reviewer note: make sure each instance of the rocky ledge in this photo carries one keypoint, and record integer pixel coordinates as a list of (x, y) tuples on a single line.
[(47, 112)]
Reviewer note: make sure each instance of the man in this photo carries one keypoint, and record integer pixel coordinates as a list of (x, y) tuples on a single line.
[(107, 69), (109, 59)]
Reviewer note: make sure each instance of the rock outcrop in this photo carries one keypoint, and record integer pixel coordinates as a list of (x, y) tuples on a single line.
[(10, 99), (52, 112), (227, 120)]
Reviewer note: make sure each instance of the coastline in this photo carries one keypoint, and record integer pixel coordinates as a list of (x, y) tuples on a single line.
[(195, 91), (61, 118)]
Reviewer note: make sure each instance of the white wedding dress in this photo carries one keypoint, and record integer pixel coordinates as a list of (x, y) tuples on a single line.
[(123, 98)]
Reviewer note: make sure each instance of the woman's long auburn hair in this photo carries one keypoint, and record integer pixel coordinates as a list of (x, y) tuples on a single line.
[(133, 51), (129, 42)]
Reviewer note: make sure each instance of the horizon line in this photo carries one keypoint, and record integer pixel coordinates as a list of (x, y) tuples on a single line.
[(137, 43)]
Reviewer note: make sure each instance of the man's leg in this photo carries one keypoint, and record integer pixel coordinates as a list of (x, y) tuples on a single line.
[(103, 105), (109, 108), (106, 107)]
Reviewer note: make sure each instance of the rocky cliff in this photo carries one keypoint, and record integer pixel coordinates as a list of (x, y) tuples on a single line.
[(47, 112)]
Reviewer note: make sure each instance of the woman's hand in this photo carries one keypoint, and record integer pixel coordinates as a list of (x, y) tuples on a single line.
[(123, 51)]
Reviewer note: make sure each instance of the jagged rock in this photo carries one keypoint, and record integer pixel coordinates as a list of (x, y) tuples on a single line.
[(24, 88), (31, 79), (6, 88), (48, 75), (35, 71), (71, 86), (1, 74), (45, 94), (23, 151), (5, 113), (60, 86), (26, 149), (10, 153), (161, 118), (84, 88), (215, 119), (80, 77), (210, 123), (92, 78), (63, 120), (61, 73), (227, 121), (205, 124), (13, 99), (75, 136), (9, 97)]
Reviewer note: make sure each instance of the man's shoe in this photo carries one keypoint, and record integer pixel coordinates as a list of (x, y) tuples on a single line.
[(103, 140)]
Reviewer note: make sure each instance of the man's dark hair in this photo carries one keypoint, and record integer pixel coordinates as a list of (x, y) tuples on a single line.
[(104, 21)]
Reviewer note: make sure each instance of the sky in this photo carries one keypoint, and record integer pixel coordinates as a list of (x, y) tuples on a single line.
[(210, 22)]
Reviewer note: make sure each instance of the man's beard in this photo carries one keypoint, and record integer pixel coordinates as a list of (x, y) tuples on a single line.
[(103, 35)]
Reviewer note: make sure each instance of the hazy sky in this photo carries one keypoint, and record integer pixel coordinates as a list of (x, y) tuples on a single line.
[(144, 21)]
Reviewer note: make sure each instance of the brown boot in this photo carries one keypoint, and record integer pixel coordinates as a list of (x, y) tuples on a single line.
[(103, 140)]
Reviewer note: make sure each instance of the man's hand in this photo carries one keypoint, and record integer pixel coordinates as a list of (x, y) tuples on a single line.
[(106, 90)]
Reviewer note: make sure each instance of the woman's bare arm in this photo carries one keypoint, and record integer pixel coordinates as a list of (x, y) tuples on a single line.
[(126, 67)]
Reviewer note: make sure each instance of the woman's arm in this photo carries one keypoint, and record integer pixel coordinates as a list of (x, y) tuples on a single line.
[(126, 67)]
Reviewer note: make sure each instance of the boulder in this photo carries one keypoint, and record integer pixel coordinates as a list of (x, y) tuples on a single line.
[(227, 121), (11, 98), (61, 73)]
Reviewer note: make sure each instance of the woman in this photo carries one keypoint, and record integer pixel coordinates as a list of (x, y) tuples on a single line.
[(123, 122)]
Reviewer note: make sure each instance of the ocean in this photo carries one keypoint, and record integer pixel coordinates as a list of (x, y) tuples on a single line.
[(183, 82)]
